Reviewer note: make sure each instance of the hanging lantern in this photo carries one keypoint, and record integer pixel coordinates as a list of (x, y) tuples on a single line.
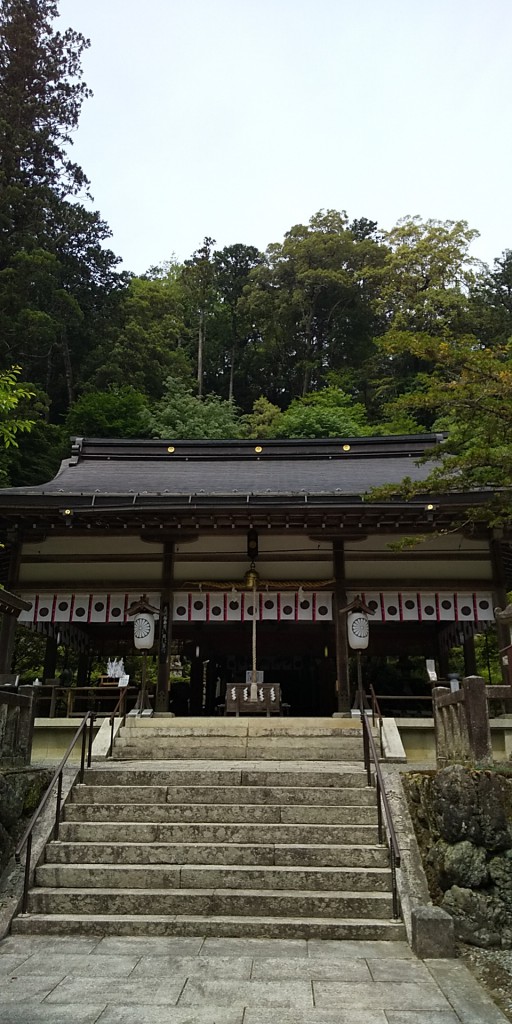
[(144, 630), (358, 630), (143, 623)]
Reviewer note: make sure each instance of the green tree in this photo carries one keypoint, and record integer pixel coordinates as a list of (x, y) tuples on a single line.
[(181, 414), (312, 301), (148, 342), (264, 419), (12, 394), (15, 398), (54, 268), (467, 390), (326, 413), (198, 280), (232, 268), (117, 412), (491, 302), (423, 293)]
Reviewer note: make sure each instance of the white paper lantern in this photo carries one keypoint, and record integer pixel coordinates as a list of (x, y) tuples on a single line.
[(144, 630), (358, 630)]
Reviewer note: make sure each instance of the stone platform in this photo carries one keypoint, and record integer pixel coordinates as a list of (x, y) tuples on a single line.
[(193, 980)]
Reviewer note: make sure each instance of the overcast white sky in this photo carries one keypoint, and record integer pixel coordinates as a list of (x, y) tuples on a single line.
[(239, 118)]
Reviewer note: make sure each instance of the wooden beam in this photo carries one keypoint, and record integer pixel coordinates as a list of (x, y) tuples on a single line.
[(164, 650), (500, 590), (340, 627)]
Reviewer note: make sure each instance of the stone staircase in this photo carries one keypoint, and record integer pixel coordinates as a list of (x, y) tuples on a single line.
[(238, 847)]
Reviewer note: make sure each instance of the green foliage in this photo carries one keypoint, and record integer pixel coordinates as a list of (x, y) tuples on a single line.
[(313, 300), (29, 650), (327, 413), (198, 281), (148, 342), (491, 302), (38, 454), (263, 421), (12, 393), (468, 390), (117, 412), (232, 266), (181, 414), (54, 269), (423, 291)]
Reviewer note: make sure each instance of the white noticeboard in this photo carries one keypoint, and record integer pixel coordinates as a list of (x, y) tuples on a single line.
[(123, 681), (248, 677)]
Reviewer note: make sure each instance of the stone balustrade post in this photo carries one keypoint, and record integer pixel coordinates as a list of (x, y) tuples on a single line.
[(442, 737), (477, 719)]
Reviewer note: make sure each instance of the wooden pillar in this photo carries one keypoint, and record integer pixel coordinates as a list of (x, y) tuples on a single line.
[(442, 660), (164, 647), (8, 624), (469, 656), (50, 658), (82, 669), (340, 627), (500, 591), (196, 686)]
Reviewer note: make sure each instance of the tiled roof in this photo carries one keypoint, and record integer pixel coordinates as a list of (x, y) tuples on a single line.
[(344, 467)]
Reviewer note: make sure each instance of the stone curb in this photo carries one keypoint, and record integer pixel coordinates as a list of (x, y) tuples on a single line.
[(430, 930)]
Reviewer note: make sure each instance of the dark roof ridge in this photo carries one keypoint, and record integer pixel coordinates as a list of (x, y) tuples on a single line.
[(277, 448)]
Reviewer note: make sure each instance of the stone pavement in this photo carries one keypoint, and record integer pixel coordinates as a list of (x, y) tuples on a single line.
[(118, 980)]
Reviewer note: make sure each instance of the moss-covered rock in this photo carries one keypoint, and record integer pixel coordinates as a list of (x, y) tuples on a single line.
[(462, 819), (500, 872), (20, 793), (466, 865), (481, 918), (470, 805), (6, 847)]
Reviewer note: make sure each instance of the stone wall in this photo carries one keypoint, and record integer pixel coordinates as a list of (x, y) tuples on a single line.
[(462, 820), (16, 727)]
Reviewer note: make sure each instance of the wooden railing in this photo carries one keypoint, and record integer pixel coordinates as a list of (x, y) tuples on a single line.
[(68, 699)]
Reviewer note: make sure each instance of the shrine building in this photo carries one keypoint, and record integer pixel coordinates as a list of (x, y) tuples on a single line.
[(182, 521)]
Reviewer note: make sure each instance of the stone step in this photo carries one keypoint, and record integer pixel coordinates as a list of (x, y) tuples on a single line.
[(206, 876), (343, 776), (280, 736), (208, 832), (231, 902), (225, 926), (216, 853), (245, 726), (268, 795), (224, 813), (188, 748)]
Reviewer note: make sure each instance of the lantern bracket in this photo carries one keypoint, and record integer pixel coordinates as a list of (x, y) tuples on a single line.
[(142, 605), (357, 605)]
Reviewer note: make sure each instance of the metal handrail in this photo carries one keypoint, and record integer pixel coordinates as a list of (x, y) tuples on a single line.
[(377, 714), (26, 840), (121, 707), (370, 753)]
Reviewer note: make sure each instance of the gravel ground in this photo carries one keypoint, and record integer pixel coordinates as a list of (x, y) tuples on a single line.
[(493, 969)]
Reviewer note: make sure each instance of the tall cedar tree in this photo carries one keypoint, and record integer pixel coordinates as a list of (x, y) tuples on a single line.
[(54, 271)]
